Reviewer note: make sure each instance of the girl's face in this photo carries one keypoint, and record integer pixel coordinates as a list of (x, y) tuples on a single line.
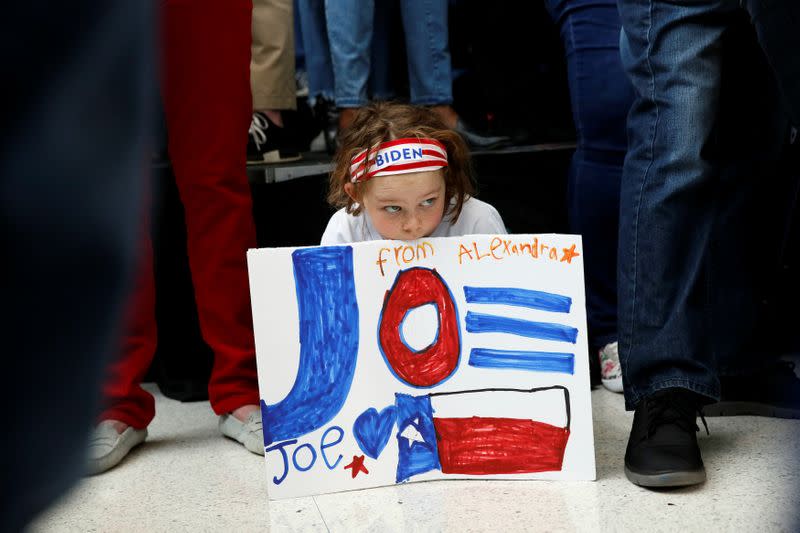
[(404, 206)]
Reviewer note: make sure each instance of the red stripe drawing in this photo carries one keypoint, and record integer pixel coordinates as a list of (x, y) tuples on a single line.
[(480, 446)]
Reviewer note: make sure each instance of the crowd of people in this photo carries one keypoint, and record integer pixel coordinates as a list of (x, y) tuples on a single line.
[(652, 171)]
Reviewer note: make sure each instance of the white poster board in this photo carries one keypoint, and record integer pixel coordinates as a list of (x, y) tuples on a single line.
[(387, 362)]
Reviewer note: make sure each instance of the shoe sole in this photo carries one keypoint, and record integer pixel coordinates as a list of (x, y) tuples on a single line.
[(667, 479), (614, 385), (750, 409), (274, 157), (497, 145)]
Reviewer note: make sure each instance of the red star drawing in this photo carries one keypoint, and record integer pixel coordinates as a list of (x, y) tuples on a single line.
[(357, 465), (569, 253)]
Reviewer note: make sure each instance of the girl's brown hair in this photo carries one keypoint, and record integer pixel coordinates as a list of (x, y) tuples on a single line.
[(386, 121)]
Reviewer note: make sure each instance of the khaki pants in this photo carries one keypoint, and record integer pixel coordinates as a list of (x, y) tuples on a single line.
[(272, 55)]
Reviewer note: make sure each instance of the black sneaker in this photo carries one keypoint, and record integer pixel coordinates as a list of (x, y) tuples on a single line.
[(268, 143), (327, 116), (479, 141), (662, 448), (773, 392)]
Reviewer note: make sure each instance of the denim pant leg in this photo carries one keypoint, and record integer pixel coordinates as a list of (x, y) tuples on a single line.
[(601, 95), (776, 23), (672, 54), (425, 26), (350, 37), (752, 197), (380, 77), (311, 14)]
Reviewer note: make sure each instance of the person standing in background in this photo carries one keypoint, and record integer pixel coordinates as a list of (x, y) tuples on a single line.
[(313, 29), (205, 66), (601, 96), (681, 184), (73, 173), (272, 83), (350, 33)]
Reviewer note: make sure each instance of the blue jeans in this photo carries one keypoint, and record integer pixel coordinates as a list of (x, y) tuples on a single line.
[(601, 96), (350, 32), (314, 33), (775, 22), (672, 200), (318, 61)]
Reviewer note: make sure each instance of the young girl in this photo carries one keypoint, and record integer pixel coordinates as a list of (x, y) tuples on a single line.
[(401, 174)]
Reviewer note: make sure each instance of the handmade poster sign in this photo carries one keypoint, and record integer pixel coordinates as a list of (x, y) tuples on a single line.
[(389, 362)]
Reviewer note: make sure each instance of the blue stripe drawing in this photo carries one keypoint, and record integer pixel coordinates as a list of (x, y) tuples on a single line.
[(542, 301), (482, 323), (523, 360), (328, 312)]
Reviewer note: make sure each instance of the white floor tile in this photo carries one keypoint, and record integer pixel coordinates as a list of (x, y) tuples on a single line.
[(186, 477)]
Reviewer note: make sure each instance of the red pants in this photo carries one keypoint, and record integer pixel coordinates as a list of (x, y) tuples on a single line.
[(207, 103)]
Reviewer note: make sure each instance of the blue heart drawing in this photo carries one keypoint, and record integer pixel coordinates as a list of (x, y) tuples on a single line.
[(372, 430)]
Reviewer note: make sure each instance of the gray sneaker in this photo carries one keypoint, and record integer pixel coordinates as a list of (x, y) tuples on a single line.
[(610, 371), (107, 447), (249, 433)]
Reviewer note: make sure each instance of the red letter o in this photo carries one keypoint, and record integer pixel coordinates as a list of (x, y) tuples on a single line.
[(430, 366)]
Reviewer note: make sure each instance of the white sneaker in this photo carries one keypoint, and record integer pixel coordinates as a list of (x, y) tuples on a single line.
[(107, 447), (610, 371), (249, 433)]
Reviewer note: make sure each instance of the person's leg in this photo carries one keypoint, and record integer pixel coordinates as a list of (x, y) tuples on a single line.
[(671, 51), (272, 82), (206, 66), (751, 134), (272, 57), (72, 174), (350, 37), (601, 95), (427, 48), (319, 68), (776, 23), (380, 76), (753, 213), (311, 14), (429, 70), (216, 199), (124, 399), (127, 408)]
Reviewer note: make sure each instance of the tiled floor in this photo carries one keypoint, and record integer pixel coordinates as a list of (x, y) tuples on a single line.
[(188, 478)]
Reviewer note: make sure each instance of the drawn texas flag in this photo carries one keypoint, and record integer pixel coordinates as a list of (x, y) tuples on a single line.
[(453, 432)]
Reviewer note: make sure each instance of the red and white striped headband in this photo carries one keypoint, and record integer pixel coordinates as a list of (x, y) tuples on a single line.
[(401, 156)]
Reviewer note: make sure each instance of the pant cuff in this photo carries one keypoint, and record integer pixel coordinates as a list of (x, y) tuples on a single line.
[(232, 403), (350, 102), (711, 393), (262, 101), (433, 100), (136, 421)]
